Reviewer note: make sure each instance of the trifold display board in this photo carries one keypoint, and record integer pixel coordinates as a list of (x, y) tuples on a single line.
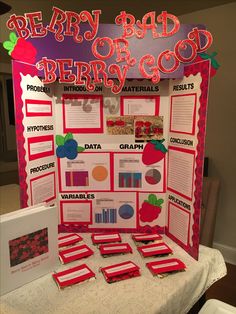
[(130, 162)]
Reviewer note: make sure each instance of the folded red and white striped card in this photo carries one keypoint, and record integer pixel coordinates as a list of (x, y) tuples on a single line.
[(166, 266), (98, 238), (120, 271), (73, 276), (146, 238), (116, 248), (74, 253), (69, 239), (154, 249)]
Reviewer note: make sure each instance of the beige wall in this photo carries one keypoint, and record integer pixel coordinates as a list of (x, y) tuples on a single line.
[(221, 123)]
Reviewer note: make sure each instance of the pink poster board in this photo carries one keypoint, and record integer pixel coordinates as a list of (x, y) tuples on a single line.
[(107, 186), (112, 134)]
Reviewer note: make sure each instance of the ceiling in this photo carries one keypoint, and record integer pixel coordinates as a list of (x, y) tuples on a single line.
[(110, 9)]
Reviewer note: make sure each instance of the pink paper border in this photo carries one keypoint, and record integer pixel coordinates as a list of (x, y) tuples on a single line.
[(38, 139), (157, 103), (44, 175), (17, 69), (203, 68), (194, 114), (77, 223), (186, 247), (82, 130), (38, 102)]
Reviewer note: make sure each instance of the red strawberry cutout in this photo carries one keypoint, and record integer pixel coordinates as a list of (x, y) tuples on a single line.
[(150, 209), (24, 51), (214, 64), (153, 152), (20, 49)]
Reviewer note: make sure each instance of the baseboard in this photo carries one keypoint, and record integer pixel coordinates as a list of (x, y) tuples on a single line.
[(228, 252)]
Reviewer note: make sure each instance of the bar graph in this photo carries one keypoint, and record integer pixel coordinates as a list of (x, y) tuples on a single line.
[(77, 178), (130, 179), (107, 215)]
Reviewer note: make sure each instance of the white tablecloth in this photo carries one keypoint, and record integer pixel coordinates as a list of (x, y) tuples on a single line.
[(145, 294)]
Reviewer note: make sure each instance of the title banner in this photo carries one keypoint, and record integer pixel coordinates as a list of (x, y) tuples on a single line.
[(77, 49)]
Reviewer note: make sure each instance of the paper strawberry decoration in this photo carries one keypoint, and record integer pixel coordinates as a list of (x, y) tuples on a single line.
[(20, 49), (214, 64), (153, 152), (151, 208)]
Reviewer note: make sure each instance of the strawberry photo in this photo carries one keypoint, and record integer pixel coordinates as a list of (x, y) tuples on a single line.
[(148, 128), (28, 246)]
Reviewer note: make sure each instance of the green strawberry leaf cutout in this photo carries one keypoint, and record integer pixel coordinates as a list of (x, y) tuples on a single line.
[(69, 136), (13, 38), (159, 202), (206, 56), (80, 149), (159, 146), (152, 199), (60, 140), (10, 44)]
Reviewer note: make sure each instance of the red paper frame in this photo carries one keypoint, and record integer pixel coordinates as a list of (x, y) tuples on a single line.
[(168, 225), (39, 177), (157, 103), (187, 151), (69, 242), (115, 248), (38, 102), (86, 191), (108, 240), (76, 222), (141, 191), (39, 139), (77, 256), (75, 280), (167, 250), (82, 130), (146, 237), (180, 266), (120, 272), (194, 114)]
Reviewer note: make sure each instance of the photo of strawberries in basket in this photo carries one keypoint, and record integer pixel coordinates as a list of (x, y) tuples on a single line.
[(120, 125), (148, 128)]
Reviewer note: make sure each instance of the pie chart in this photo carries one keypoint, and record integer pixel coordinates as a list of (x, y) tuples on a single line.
[(126, 211), (99, 173), (153, 176)]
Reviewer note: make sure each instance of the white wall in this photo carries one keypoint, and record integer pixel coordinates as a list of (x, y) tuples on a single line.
[(221, 123), (5, 67), (10, 130)]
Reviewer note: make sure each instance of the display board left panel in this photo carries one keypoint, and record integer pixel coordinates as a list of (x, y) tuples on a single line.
[(34, 111)]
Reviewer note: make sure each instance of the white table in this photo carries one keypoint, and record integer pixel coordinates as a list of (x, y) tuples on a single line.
[(145, 294), (213, 306)]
